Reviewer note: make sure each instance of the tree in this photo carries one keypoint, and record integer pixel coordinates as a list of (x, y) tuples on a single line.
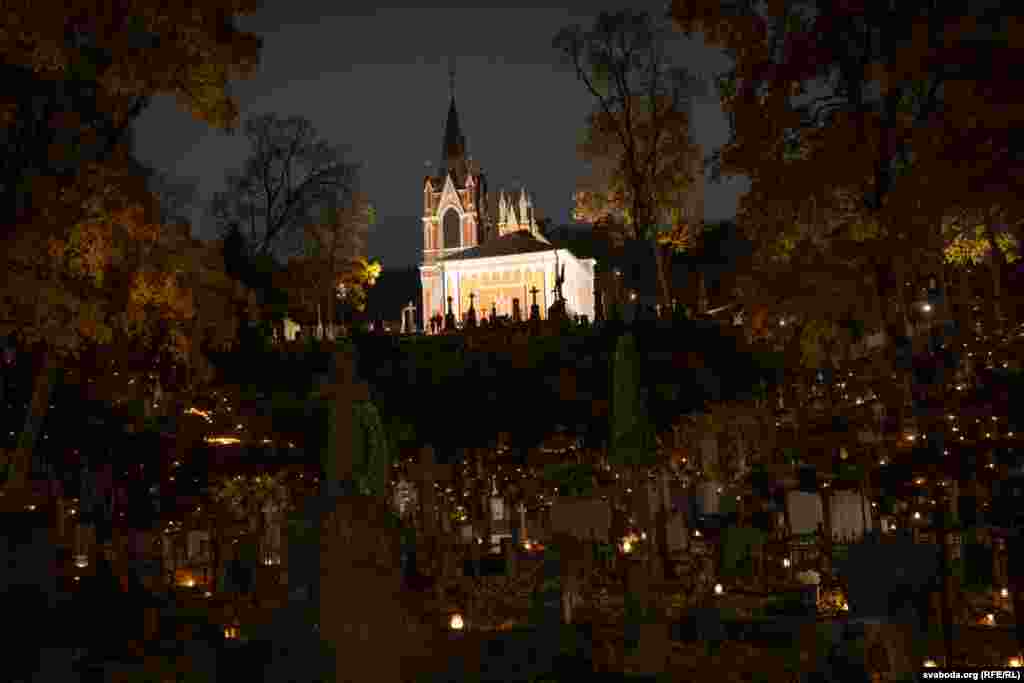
[(849, 115), (290, 175), (333, 245), (79, 74), (119, 288), (78, 227), (861, 125), (976, 234), (104, 282), (641, 126)]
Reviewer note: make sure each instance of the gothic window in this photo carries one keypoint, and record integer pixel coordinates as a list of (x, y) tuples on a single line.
[(451, 229)]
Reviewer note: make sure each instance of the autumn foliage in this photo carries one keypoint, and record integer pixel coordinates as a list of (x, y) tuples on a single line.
[(86, 263), (922, 115), (133, 49)]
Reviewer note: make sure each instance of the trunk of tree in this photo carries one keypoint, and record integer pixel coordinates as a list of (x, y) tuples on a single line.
[(39, 406), (662, 522), (902, 303), (997, 265), (216, 539), (663, 264), (947, 586), (901, 323), (944, 314), (826, 528), (966, 301), (702, 293)]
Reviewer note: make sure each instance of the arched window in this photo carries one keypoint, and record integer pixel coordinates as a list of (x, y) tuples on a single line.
[(452, 237)]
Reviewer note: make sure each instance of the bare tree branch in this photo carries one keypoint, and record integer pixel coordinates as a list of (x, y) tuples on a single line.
[(295, 171)]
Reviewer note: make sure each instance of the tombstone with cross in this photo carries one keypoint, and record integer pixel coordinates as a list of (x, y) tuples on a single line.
[(471, 313), (534, 308), (352, 534), (449, 318)]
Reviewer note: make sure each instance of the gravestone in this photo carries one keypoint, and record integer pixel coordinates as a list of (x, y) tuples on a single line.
[(409, 319), (361, 617)]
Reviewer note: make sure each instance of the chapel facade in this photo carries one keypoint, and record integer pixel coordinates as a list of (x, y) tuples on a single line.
[(488, 252)]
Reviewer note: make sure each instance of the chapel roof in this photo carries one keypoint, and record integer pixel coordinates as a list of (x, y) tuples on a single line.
[(519, 242)]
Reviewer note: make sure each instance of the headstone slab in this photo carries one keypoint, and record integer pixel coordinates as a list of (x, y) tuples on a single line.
[(360, 587)]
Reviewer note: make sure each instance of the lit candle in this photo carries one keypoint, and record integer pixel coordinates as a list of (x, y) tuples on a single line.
[(456, 622), (718, 589)]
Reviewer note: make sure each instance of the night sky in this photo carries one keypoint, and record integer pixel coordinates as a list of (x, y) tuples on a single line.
[(375, 79)]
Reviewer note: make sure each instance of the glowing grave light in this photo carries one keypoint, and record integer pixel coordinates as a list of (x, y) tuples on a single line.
[(718, 589), (456, 623)]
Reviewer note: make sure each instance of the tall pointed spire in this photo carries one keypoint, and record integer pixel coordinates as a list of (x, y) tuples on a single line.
[(451, 78), (453, 150)]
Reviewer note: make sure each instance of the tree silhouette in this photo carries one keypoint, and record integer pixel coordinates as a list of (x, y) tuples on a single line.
[(288, 179)]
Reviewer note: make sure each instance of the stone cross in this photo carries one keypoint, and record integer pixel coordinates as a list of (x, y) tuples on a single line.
[(449, 319), (533, 291), (342, 392), (471, 313)]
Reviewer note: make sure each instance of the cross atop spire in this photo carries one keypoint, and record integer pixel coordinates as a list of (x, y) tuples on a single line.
[(453, 148)]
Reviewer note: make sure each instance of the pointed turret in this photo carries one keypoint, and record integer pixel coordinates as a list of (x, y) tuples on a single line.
[(453, 150), (524, 219), (511, 217)]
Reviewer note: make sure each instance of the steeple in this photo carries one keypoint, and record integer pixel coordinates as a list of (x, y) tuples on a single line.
[(453, 150)]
